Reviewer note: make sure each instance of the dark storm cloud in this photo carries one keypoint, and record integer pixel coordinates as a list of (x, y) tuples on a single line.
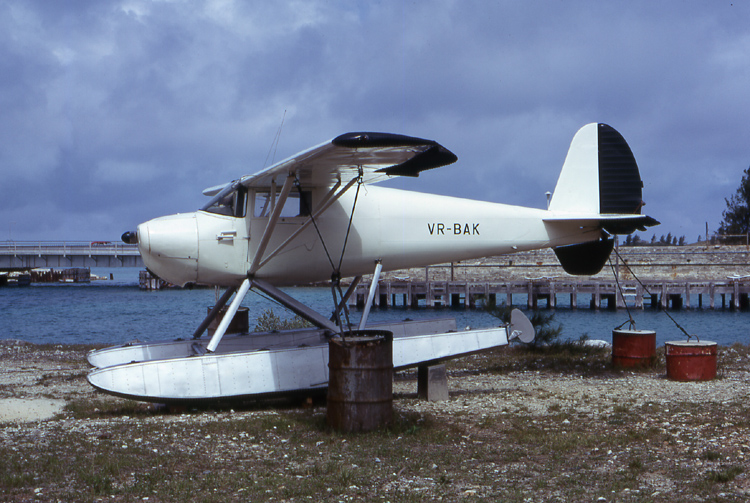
[(116, 112)]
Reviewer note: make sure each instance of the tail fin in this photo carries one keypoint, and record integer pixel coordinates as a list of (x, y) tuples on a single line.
[(600, 175), (600, 180), (600, 186)]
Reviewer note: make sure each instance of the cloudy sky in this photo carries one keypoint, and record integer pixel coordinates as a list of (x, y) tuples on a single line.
[(112, 113)]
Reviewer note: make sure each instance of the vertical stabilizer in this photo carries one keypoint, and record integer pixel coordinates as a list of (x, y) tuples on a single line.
[(599, 176)]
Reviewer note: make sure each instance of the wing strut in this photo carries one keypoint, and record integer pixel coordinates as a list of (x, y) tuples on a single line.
[(229, 315), (329, 199)]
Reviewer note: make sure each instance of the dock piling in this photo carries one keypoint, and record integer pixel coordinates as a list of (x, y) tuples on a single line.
[(464, 294)]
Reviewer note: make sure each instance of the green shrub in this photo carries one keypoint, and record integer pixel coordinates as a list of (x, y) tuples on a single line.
[(546, 332), (269, 322)]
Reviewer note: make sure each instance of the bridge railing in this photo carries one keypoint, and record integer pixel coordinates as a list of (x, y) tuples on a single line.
[(67, 248)]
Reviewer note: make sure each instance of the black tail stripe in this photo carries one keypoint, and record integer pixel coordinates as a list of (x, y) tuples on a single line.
[(620, 186)]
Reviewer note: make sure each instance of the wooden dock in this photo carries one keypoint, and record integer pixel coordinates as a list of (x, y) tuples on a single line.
[(536, 293)]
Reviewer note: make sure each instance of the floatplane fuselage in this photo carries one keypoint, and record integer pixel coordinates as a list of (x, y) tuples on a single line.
[(401, 229), (318, 216)]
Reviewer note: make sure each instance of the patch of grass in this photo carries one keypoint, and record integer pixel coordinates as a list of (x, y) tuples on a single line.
[(83, 408), (711, 456), (725, 475), (10, 479), (635, 465), (563, 357), (554, 408), (53, 379)]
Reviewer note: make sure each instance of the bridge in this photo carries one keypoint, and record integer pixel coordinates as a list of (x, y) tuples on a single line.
[(24, 255)]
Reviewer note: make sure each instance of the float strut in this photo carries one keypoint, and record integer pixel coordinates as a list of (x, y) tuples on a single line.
[(214, 312), (229, 315), (371, 293)]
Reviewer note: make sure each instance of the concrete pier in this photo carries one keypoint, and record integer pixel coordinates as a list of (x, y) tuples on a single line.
[(667, 294)]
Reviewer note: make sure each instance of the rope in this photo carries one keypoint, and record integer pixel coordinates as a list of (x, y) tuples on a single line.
[(689, 336), (312, 219), (622, 294), (336, 285), (351, 217), (335, 271)]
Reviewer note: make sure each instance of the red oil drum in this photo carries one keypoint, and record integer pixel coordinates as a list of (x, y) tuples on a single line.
[(691, 361), (633, 348)]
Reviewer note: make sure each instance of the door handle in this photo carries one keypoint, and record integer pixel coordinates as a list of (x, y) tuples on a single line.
[(226, 236)]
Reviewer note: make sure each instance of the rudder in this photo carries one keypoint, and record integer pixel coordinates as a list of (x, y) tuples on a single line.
[(620, 184)]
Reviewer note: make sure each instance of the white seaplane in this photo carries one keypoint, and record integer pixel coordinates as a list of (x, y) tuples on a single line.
[(319, 216)]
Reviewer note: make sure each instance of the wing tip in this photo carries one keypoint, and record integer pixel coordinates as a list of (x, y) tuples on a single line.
[(432, 156), (364, 139)]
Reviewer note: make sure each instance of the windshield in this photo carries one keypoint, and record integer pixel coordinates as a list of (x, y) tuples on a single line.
[(231, 201)]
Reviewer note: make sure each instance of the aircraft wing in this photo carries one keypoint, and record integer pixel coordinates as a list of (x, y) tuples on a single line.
[(380, 155)]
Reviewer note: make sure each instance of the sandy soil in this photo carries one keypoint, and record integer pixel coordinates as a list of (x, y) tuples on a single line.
[(36, 382), (666, 437)]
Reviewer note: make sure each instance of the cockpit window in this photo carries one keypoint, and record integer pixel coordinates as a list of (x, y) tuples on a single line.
[(231, 201), (296, 205)]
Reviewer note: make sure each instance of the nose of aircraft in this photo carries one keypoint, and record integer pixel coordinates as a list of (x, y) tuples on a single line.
[(169, 247), (130, 237)]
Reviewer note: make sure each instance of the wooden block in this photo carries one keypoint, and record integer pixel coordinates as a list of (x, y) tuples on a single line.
[(432, 383)]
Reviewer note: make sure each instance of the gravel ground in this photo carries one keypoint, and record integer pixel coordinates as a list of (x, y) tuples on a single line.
[(517, 427)]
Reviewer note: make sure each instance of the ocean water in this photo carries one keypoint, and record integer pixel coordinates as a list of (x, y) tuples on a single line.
[(117, 311)]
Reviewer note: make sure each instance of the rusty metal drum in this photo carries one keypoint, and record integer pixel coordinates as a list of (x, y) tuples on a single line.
[(691, 360), (633, 348), (360, 381), (240, 324)]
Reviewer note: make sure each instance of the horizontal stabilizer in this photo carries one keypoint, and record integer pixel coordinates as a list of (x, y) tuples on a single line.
[(613, 224), (627, 225)]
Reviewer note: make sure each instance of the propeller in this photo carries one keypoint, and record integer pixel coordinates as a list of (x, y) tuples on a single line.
[(130, 237)]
